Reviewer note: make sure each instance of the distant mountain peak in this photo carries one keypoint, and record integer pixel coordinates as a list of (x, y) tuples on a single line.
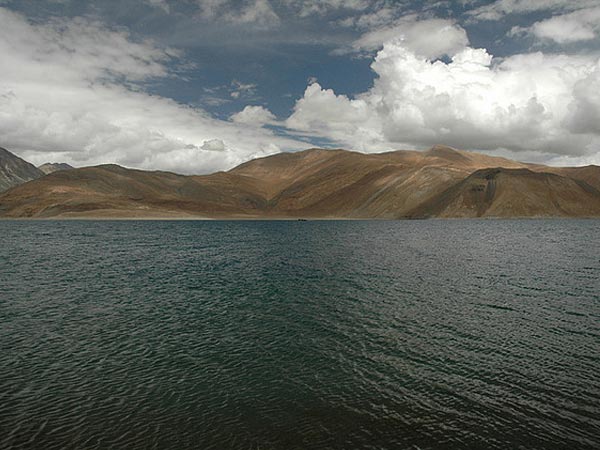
[(15, 171), (443, 151), (54, 167)]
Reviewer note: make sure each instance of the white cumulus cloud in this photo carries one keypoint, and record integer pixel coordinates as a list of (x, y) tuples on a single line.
[(254, 115), (582, 25), (72, 90), (213, 145), (430, 38), (500, 8), (525, 103)]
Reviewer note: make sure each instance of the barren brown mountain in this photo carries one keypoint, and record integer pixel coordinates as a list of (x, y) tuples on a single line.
[(441, 182)]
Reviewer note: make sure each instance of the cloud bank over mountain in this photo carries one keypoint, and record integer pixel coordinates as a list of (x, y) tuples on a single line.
[(534, 102), (85, 89), (73, 91)]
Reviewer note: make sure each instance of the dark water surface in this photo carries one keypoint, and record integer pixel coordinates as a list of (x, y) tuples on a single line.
[(300, 335)]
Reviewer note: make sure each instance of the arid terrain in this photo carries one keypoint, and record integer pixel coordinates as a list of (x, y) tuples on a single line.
[(440, 182)]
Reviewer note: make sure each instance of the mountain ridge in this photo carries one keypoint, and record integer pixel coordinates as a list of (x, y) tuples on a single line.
[(317, 183), (15, 170), (54, 167)]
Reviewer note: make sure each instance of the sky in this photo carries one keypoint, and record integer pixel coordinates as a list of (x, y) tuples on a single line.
[(196, 86)]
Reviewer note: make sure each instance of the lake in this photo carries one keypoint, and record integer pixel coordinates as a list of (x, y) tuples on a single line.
[(300, 335)]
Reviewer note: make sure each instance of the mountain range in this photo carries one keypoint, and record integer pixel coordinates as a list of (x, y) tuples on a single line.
[(441, 182), (15, 171)]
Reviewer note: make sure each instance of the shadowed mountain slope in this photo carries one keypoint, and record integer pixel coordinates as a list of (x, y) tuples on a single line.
[(503, 192), (441, 182), (588, 174), (15, 171)]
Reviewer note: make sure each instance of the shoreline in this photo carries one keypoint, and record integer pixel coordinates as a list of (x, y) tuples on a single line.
[(278, 219)]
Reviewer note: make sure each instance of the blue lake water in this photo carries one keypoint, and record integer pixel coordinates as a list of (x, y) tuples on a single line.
[(300, 335)]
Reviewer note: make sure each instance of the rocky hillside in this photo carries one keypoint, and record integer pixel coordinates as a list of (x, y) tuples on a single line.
[(15, 171)]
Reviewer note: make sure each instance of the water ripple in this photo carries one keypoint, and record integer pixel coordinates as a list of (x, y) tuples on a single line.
[(300, 335)]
